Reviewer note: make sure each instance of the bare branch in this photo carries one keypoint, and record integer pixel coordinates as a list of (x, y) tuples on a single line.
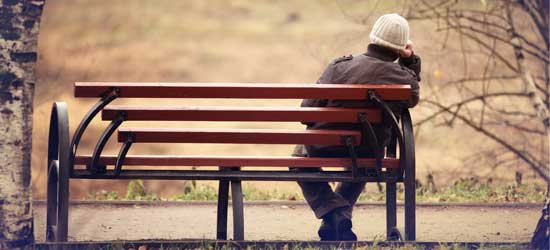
[(539, 168), (457, 105)]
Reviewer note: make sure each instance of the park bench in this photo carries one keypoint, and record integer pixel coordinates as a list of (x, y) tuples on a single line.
[(388, 166)]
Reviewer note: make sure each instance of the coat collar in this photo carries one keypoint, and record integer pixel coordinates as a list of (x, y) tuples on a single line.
[(382, 53)]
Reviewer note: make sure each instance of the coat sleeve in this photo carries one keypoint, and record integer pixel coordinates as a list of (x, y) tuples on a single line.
[(326, 78), (413, 63)]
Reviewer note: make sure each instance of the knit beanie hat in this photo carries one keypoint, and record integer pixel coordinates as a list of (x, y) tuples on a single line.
[(390, 30)]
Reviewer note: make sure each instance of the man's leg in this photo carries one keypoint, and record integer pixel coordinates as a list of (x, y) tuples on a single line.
[(319, 195), (331, 207), (326, 204), (351, 192)]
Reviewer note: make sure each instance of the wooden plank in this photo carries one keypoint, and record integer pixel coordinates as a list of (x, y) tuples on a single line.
[(250, 175), (391, 92), (257, 161), (271, 114), (238, 136)]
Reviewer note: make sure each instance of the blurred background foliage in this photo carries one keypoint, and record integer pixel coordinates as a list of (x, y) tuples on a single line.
[(246, 41)]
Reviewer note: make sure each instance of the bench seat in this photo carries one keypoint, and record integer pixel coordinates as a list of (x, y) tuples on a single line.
[(240, 136), (334, 164), (241, 114), (262, 161)]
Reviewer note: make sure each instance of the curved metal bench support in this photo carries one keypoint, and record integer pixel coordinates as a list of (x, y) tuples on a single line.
[(410, 182), (106, 99), (51, 210), (58, 174), (391, 192), (122, 155), (372, 140), (102, 141), (348, 141), (391, 148), (405, 156), (395, 129)]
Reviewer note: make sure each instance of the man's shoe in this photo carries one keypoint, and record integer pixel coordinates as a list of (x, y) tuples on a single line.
[(326, 232), (344, 232), (342, 225)]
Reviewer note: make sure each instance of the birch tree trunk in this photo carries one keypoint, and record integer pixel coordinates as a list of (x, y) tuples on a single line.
[(540, 238), (19, 23)]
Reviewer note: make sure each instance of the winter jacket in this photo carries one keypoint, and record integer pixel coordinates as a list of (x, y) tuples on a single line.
[(376, 66)]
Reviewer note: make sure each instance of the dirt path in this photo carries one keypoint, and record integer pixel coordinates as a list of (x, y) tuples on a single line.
[(288, 221)]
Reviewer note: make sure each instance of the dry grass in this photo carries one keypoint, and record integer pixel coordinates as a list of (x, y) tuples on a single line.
[(219, 41)]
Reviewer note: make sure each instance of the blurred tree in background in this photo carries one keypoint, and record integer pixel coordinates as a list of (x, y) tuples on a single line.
[(504, 92)]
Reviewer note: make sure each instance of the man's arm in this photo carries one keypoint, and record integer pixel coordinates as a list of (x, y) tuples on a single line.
[(413, 63), (326, 78), (409, 60)]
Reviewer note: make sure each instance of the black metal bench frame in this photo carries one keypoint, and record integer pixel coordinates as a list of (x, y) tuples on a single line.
[(62, 153)]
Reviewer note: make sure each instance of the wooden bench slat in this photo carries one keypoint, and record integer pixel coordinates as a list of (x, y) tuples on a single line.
[(237, 136), (249, 175), (279, 114), (260, 161), (392, 92)]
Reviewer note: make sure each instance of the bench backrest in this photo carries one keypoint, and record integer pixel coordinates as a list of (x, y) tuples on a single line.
[(110, 91), (389, 92)]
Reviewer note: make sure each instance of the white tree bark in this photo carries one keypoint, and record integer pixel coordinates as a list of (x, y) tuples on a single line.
[(531, 90), (540, 236), (19, 23)]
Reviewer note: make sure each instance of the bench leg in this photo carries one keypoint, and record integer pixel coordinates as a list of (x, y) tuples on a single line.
[(410, 205), (51, 211), (238, 213), (410, 182), (223, 197), (59, 171), (391, 209), (63, 205)]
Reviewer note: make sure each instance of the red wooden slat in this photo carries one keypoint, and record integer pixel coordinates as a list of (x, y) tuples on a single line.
[(279, 114), (238, 136), (257, 161), (244, 90)]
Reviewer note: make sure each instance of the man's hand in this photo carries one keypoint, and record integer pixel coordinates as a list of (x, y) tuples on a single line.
[(408, 51)]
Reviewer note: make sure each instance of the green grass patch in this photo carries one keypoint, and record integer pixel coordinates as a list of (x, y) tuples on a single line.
[(192, 191), (251, 192), (468, 190), (471, 190), (134, 191), (463, 190)]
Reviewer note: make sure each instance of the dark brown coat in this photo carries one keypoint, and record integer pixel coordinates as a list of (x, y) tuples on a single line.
[(375, 66)]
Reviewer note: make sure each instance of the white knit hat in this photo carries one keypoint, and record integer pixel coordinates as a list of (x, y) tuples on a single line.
[(390, 30)]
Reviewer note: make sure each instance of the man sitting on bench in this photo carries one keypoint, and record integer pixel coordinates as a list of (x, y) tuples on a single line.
[(389, 41)]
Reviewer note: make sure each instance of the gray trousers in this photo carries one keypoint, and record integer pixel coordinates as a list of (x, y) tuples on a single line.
[(322, 199), (320, 196)]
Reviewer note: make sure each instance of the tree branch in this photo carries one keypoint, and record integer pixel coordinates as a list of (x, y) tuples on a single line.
[(541, 170)]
